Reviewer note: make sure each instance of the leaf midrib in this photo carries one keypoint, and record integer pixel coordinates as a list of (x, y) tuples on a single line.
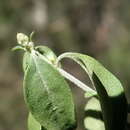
[(50, 97)]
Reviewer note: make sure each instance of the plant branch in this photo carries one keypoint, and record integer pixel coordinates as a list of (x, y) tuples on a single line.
[(75, 81), (68, 76)]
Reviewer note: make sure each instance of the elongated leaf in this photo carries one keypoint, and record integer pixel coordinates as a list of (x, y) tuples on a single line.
[(109, 89), (47, 94), (93, 119)]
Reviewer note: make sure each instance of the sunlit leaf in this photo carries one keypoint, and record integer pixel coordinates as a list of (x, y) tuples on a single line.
[(32, 123), (109, 89), (47, 94), (90, 94), (93, 115), (47, 52)]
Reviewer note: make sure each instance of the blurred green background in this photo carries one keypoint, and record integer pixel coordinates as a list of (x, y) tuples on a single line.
[(97, 28)]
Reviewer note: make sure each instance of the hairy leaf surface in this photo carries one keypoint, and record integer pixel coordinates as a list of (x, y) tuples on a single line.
[(47, 94)]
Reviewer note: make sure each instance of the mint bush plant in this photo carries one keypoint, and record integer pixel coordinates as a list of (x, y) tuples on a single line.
[(49, 98)]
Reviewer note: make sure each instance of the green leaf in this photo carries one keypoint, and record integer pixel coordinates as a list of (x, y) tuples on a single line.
[(93, 115), (110, 91), (47, 94), (17, 48), (32, 123), (90, 94), (26, 61), (47, 52)]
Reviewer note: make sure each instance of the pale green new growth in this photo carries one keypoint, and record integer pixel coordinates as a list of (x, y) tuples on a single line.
[(22, 39)]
